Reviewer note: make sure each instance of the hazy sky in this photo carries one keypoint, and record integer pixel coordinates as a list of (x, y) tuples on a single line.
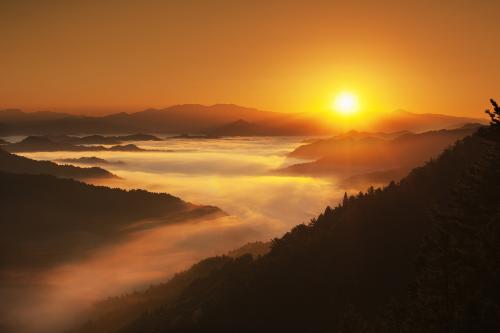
[(104, 56)]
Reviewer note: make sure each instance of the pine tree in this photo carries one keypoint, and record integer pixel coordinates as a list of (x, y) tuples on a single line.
[(494, 114)]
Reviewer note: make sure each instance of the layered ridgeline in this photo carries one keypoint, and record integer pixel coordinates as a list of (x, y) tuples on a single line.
[(213, 120), (19, 164), (47, 220), (422, 255), (373, 158), (69, 143)]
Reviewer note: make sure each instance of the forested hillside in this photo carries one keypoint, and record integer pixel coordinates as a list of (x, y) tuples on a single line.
[(66, 218), (422, 255), (19, 164)]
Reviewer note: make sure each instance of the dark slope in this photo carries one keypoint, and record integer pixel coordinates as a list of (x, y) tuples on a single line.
[(18, 164), (46, 220), (360, 256), (457, 286)]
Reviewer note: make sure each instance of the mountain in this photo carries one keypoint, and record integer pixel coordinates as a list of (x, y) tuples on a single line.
[(285, 125), (187, 118), (215, 119), (360, 152), (239, 127), (101, 139), (42, 143), (422, 255), (375, 178), (64, 143), (76, 218), (18, 164), (255, 249), (92, 160), (137, 137), (94, 139), (86, 140), (419, 122), (129, 147)]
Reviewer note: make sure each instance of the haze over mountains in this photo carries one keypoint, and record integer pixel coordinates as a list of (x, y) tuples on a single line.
[(68, 143), (218, 119), (382, 156), (418, 256), (360, 254), (75, 216), (49, 222)]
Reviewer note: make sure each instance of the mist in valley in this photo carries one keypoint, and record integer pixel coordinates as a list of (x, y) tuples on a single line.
[(235, 175)]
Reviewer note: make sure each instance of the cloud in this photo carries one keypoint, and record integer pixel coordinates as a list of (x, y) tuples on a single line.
[(232, 174)]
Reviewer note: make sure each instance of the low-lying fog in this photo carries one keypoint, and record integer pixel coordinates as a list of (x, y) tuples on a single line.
[(234, 174)]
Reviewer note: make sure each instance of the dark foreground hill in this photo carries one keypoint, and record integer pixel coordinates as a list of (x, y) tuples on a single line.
[(47, 220), (422, 255), (18, 164)]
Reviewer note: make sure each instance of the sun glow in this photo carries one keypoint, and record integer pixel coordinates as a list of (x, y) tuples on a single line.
[(345, 104)]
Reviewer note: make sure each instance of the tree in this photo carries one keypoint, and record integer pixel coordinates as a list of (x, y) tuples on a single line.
[(494, 114)]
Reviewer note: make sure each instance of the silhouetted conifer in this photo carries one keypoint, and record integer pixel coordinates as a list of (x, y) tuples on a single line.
[(494, 114)]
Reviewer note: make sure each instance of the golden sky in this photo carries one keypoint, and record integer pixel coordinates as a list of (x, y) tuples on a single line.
[(105, 56)]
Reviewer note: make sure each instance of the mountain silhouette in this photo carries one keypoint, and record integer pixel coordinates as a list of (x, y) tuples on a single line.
[(213, 119), (92, 160), (419, 122), (187, 118), (18, 164), (65, 143), (421, 255), (76, 218), (239, 127), (101, 139), (358, 152)]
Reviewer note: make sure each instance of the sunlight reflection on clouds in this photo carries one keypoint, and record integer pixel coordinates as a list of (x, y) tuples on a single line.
[(233, 174)]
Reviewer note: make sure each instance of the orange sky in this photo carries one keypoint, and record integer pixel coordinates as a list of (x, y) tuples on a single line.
[(103, 56)]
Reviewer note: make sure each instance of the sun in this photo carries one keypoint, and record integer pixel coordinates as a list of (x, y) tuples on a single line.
[(345, 104)]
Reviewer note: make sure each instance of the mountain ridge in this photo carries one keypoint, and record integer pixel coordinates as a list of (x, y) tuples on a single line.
[(19, 164), (338, 272), (201, 119)]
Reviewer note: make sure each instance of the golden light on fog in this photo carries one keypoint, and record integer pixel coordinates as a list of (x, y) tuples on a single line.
[(345, 104)]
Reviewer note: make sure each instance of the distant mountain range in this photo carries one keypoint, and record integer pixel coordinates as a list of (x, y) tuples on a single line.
[(214, 120), (91, 160), (419, 122), (44, 143), (392, 155)]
